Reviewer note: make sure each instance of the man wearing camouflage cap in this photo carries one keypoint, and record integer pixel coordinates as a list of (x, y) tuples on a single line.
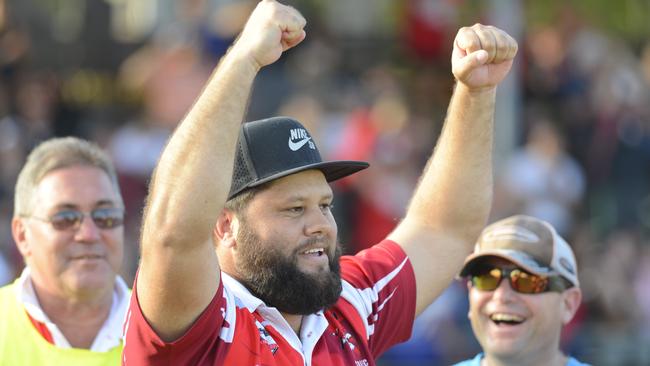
[(518, 321)]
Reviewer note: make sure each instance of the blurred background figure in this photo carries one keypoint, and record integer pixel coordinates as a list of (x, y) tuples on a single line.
[(365, 81), (541, 179)]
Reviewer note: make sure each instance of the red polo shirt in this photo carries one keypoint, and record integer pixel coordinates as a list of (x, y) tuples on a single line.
[(375, 311)]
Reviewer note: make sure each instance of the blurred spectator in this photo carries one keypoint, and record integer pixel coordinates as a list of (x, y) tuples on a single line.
[(614, 331), (27, 113), (169, 80), (35, 108), (541, 179), (383, 134)]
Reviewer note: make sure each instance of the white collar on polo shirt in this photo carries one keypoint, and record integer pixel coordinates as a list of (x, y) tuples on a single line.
[(313, 325), (109, 336)]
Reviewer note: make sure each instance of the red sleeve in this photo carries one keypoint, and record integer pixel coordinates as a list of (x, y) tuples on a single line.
[(142, 346), (380, 283)]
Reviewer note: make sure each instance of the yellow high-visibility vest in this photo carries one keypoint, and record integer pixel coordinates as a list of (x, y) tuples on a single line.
[(22, 345)]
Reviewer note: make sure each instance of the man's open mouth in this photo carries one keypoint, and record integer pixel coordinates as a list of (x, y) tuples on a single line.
[(315, 252), (506, 319)]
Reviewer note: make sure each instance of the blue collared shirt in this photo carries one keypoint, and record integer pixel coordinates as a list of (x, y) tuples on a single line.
[(476, 361)]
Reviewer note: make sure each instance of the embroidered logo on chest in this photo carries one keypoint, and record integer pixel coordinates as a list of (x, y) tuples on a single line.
[(346, 339), (266, 338)]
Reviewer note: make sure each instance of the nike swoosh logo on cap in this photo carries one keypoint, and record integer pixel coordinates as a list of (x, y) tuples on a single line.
[(295, 146)]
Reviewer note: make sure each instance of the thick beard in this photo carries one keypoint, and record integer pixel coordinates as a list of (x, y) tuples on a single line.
[(276, 279)]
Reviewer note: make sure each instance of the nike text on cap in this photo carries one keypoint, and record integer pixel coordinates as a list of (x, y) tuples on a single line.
[(273, 148), (528, 242)]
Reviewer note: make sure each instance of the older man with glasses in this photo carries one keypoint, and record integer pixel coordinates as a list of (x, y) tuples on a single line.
[(523, 288), (68, 305)]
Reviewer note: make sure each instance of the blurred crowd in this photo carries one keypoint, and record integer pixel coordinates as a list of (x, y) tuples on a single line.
[(372, 81)]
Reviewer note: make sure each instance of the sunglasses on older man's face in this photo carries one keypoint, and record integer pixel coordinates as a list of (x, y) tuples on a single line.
[(488, 278), (104, 218)]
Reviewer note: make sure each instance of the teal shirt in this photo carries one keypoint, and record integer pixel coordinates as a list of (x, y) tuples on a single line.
[(476, 361)]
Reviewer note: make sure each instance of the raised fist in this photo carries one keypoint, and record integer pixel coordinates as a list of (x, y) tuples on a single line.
[(271, 29), (482, 56)]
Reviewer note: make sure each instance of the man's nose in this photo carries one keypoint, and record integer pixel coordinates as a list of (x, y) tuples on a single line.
[(319, 222), (504, 292), (87, 230)]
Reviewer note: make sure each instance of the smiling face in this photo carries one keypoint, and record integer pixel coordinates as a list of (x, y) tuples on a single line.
[(286, 245), (81, 262), (515, 326)]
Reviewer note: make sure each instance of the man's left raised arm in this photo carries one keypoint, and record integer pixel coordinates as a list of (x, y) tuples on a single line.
[(452, 202)]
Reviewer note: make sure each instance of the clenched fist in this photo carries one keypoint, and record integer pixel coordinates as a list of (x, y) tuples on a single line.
[(482, 56), (271, 29)]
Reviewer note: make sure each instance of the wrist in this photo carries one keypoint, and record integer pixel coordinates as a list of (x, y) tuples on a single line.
[(241, 58), (476, 91)]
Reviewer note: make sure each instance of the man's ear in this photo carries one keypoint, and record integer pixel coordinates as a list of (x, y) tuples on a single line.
[(571, 302), (19, 233), (226, 228)]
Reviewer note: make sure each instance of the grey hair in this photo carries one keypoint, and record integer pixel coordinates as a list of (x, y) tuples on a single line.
[(53, 154)]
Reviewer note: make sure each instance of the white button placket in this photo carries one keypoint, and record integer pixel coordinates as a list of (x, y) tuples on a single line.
[(313, 327)]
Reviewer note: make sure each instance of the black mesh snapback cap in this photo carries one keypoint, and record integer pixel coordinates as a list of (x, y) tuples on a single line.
[(273, 148)]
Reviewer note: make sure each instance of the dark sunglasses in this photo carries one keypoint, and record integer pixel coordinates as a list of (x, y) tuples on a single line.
[(489, 279), (104, 218)]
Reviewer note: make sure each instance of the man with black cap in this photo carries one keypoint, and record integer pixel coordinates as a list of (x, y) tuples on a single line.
[(241, 267), (518, 320)]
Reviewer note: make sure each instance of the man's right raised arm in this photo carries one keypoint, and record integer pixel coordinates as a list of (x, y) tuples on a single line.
[(179, 271)]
